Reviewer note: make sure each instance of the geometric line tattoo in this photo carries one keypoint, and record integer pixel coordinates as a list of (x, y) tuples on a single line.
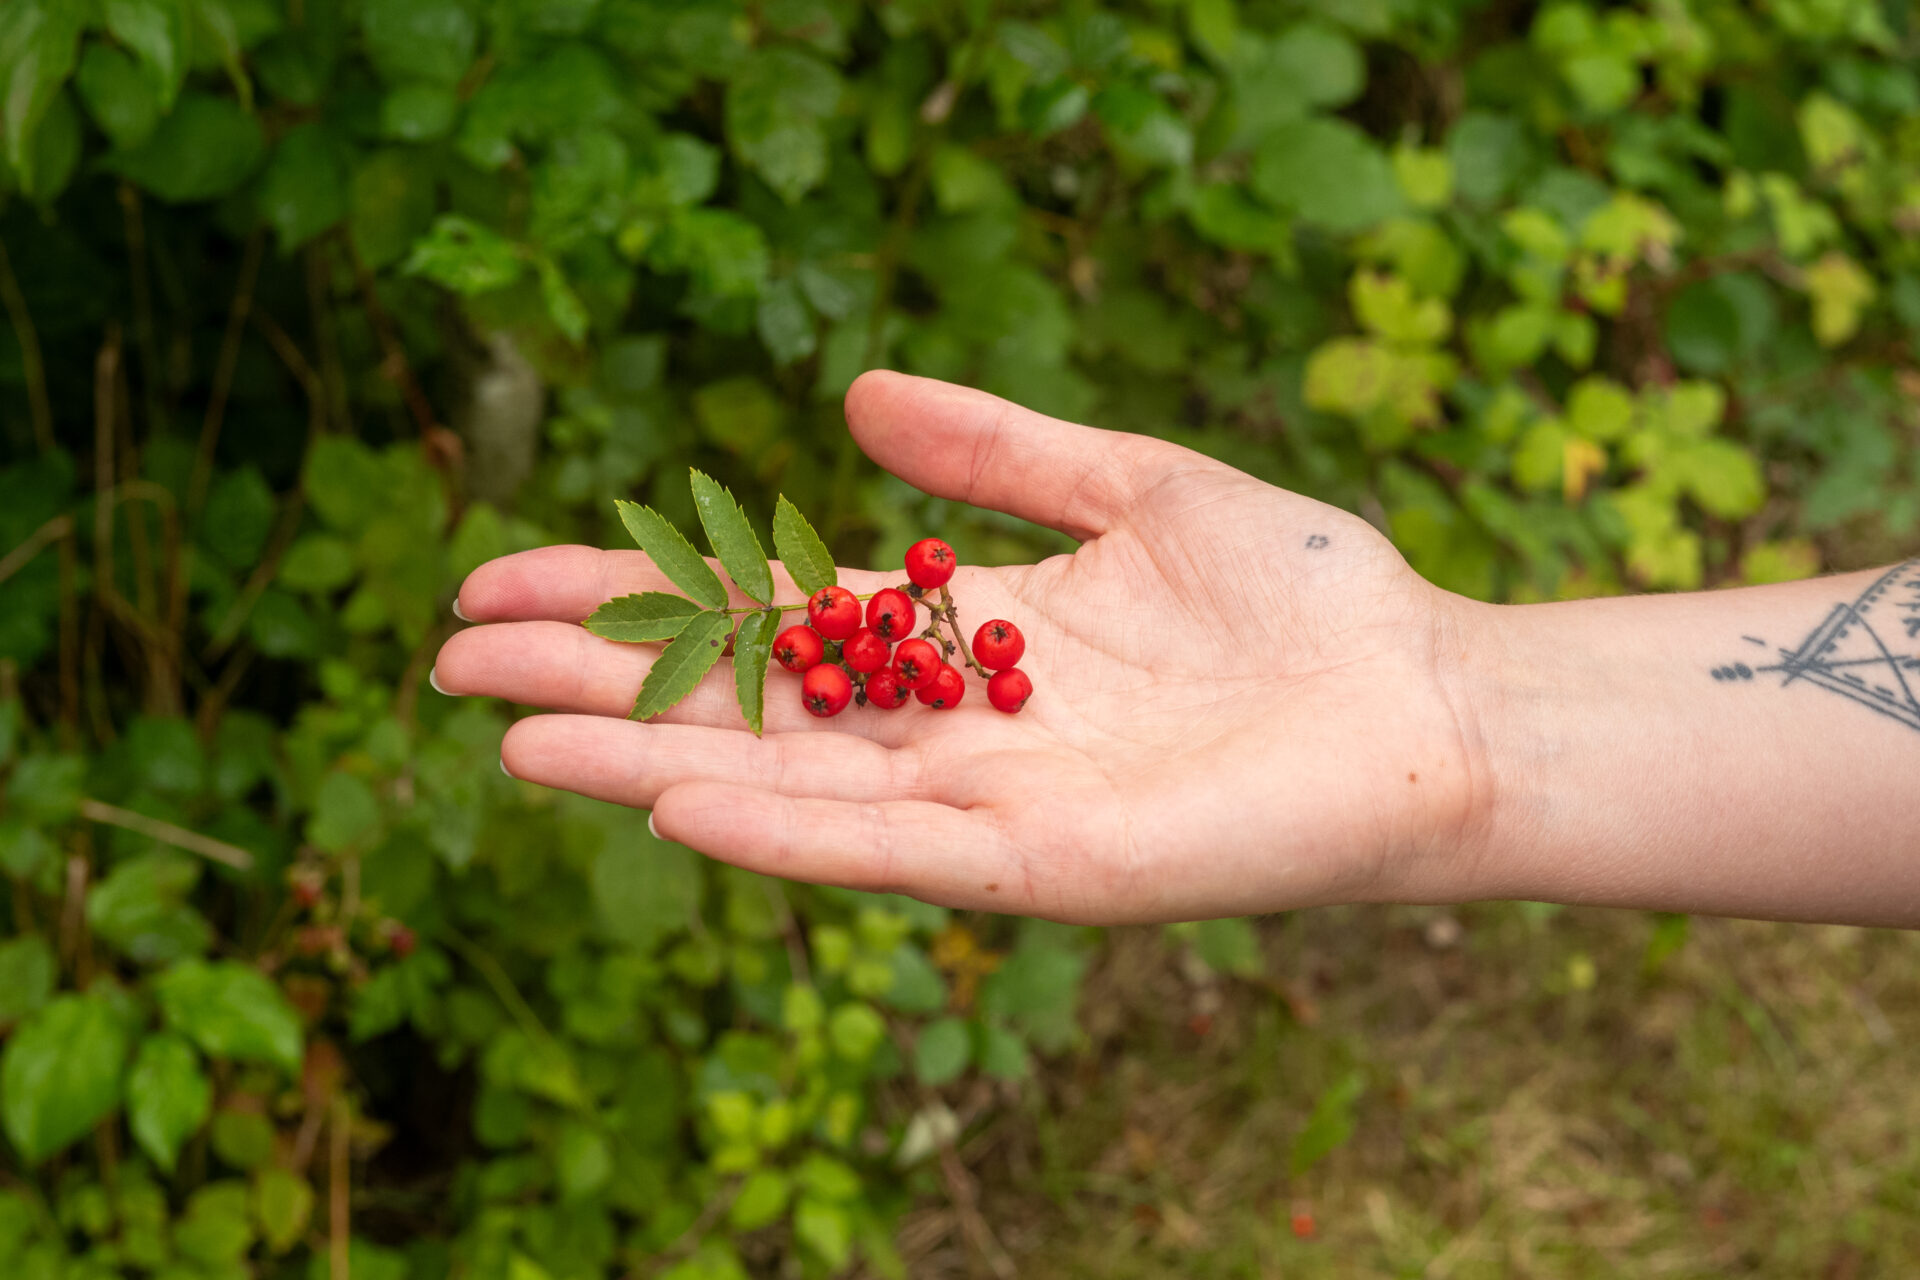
[(1864, 651)]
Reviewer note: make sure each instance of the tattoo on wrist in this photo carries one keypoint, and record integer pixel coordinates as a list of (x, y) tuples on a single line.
[(1867, 651)]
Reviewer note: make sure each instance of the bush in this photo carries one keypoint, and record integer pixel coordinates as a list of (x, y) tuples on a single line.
[(314, 307)]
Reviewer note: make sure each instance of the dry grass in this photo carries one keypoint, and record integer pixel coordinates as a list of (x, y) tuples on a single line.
[(1538, 1103)]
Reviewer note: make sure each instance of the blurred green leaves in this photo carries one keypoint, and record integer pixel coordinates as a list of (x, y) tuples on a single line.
[(1571, 299)]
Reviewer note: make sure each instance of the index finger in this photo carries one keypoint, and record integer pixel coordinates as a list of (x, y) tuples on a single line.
[(566, 584)]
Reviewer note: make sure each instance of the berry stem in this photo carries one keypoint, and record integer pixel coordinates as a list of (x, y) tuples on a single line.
[(951, 616)]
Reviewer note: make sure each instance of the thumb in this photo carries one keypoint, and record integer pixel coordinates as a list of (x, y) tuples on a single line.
[(955, 442)]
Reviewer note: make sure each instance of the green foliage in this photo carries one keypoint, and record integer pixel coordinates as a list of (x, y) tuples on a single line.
[(1570, 298)]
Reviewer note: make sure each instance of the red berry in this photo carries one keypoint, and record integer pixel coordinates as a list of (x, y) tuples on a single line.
[(826, 691), (834, 612), (1303, 1225), (915, 663), (890, 614), (402, 940), (885, 691), (944, 691), (998, 644), (799, 649), (865, 652), (1009, 690), (930, 563)]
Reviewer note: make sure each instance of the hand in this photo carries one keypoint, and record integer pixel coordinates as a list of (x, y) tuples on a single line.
[(1243, 698)]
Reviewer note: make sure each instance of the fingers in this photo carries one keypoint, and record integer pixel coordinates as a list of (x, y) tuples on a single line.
[(563, 667), (632, 764), (933, 852), (566, 584), (956, 442)]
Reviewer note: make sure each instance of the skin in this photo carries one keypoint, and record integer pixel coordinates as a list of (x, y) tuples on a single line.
[(1245, 701)]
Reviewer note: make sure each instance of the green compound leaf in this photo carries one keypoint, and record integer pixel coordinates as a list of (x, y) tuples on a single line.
[(691, 655), (672, 554), (733, 539), (649, 616), (752, 648), (801, 550)]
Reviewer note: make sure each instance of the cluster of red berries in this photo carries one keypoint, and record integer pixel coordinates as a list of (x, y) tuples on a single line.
[(842, 661)]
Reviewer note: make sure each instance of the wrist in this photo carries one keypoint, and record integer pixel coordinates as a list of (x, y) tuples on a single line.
[(1474, 666)]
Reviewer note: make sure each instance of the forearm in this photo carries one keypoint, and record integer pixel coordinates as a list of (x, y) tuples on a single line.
[(1750, 752)]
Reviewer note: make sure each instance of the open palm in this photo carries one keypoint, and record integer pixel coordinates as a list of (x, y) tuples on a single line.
[(1241, 703)]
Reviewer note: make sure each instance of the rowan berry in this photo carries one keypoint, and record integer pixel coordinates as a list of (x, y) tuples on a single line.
[(885, 691), (930, 563), (826, 691), (834, 612), (865, 652), (998, 644), (915, 663), (944, 691), (798, 649), (1009, 690), (890, 614)]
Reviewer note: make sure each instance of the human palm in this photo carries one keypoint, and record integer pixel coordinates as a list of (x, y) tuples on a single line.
[(1240, 696)]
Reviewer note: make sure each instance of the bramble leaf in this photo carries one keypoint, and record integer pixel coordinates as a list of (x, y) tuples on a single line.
[(168, 1096), (690, 655), (61, 1073), (672, 554), (801, 551), (733, 539), (649, 616), (752, 648)]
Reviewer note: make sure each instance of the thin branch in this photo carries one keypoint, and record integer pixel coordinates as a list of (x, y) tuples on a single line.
[(52, 531), (166, 833), (966, 1206), (224, 370), (69, 641), (689, 1240), (259, 580), (502, 985), (134, 220), (38, 403), (394, 365), (339, 1188)]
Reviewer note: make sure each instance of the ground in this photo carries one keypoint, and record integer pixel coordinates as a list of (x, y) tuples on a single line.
[(1507, 1091)]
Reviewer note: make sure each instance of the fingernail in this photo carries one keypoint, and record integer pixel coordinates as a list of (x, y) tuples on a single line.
[(504, 769), (457, 611), (650, 827), (433, 678)]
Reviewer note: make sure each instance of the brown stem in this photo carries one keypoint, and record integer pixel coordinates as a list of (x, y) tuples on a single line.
[(948, 612), (259, 580), (50, 532), (339, 1186), (134, 219), (166, 833), (39, 405), (69, 642), (326, 338), (687, 1241), (394, 365), (224, 370)]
